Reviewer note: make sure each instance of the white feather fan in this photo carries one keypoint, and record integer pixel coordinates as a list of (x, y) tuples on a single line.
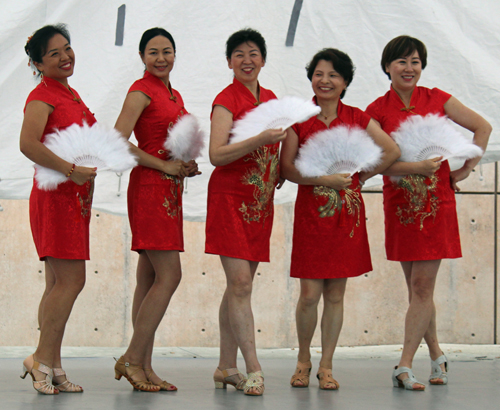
[(273, 114), (185, 140), (85, 146), (339, 150), (421, 138)]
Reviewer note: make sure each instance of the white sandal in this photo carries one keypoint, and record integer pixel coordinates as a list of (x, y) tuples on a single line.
[(438, 377), (407, 383)]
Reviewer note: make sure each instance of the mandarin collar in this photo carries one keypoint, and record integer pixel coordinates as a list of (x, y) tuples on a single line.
[(239, 85)]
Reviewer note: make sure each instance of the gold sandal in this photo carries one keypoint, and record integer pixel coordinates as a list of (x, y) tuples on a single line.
[(164, 385), (122, 369), (66, 386), (44, 386), (326, 380), (301, 376), (254, 386), (221, 378)]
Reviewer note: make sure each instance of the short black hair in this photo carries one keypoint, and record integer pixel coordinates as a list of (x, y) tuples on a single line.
[(244, 36), (36, 46), (401, 47), (341, 63), (152, 33)]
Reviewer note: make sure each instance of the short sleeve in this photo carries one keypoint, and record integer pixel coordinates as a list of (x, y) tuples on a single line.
[(226, 100), (372, 111), (39, 95), (141, 86), (440, 96)]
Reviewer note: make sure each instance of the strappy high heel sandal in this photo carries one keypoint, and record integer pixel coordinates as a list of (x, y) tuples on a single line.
[(326, 380), (254, 386), (164, 385), (408, 383), (66, 386), (123, 368), (438, 377), (44, 386), (221, 378), (301, 376)]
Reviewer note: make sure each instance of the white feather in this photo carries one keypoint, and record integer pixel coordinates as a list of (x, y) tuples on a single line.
[(273, 114), (338, 150), (185, 141), (420, 138), (95, 146)]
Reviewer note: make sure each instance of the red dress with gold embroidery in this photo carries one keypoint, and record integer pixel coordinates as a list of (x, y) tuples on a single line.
[(329, 230), (240, 194), (420, 213), (60, 218), (154, 198)]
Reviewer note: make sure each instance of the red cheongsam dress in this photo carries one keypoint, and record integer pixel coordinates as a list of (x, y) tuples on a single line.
[(60, 218), (155, 198), (240, 194), (420, 212), (329, 230)]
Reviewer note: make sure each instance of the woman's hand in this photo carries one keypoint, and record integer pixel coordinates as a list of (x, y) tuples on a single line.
[(459, 175), (428, 167), (175, 167), (191, 169), (269, 137), (337, 181), (81, 175)]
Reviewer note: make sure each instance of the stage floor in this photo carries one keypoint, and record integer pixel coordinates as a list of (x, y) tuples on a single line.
[(364, 374)]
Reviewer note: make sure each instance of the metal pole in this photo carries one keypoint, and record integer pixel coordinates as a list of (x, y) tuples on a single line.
[(495, 261)]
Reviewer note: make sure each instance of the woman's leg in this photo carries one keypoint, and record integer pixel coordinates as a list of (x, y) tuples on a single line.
[(167, 268), (69, 280), (50, 281), (235, 315), (421, 279), (332, 319)]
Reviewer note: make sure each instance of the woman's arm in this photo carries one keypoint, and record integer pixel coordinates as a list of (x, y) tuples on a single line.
[(391, 150), (472, 121), (35, 119), (287, 158), (135, 103), (220, 152)]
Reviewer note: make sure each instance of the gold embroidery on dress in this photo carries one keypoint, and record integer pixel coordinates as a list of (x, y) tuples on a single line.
[(86, 200), (351, 199), (266, 164), (420, 197), (173, 207)]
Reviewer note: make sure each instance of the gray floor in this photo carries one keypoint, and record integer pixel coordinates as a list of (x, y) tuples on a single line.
[(364, 376)]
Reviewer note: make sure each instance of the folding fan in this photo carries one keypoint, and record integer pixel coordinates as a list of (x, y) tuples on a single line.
[(339, 150), (185, 140), (85, 146), (273, 114)]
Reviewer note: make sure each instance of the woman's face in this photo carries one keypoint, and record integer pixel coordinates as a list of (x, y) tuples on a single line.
[(327, 83), (159, 57), (59, 61), (405, 72), (246, 61)]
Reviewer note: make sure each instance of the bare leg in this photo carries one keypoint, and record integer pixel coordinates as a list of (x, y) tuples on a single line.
[(333, 316), (421, 279), (154, 304), (50, 281), (69, 281), (236, 315)]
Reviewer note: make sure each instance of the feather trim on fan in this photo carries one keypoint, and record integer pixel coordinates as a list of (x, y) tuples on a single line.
[(339, 150), (273, 114), (85, 146), (420, 138), (186, 140)]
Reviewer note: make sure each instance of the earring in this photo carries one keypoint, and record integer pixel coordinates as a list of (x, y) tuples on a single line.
[(42, 80)]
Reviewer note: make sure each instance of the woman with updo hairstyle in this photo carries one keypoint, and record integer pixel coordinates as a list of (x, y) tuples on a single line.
[(421, 229), (240, 206), (329, 245), (59, 218), (150, 110)]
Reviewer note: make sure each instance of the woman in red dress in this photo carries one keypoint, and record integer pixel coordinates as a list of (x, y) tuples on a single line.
[(59, 218), (240, 206), (150, 109), (328, 247), (421, 229)]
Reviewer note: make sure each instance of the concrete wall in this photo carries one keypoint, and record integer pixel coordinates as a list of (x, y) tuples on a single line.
[(375, 302)]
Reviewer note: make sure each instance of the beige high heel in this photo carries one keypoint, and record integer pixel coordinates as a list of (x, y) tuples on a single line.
[(66, 386), (301, 376), (123, 368), (221, 378), (44, 386), (326, 380), (164, 385), (255, 384)]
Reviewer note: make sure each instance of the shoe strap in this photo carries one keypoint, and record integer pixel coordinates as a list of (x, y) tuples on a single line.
[(42, 368), (440, 360), (230, 372), (134, 368), (255, 379), (58, 371)]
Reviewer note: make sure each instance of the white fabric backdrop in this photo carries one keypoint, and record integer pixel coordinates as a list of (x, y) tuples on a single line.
[(462, 38)]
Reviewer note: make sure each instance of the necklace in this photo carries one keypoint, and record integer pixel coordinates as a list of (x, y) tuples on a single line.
[(325, 116)]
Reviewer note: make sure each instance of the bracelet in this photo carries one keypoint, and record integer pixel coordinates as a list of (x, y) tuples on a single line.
[(70, 172)]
